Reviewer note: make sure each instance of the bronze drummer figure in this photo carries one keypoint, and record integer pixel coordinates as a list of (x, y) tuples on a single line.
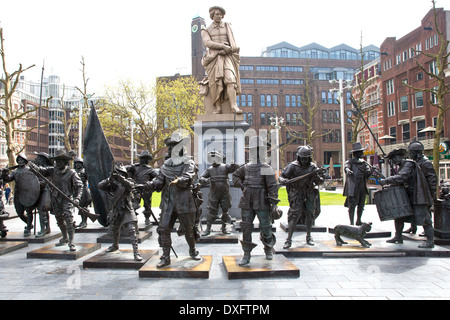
[(419, 178)]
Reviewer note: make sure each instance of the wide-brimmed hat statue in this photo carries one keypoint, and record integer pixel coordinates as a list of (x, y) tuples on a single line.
[(357, 147), (63, 155), (396, 152), (146, 155)]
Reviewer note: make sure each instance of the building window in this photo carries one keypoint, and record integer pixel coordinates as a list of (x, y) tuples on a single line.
[(421, 126), (391, 109), (287, 101), (324, 116), (292, 81), (263, 100), (433, 68), (390, 86), (263, 119), (267, 81), (245, 68), (292, 69), (393, 133), (433, 95), (247, 81), (288, 119), (266, 68), (294, 119), (406, 132), (419, 99), (349, 135), (404, 103)]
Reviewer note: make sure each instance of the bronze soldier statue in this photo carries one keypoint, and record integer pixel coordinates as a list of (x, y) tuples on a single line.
[(120, 189), (44, 204), (141, 173), (303, 194), (175, 182), (219, 193), (420, 180), (259, 198), (357, 172), (68, 192), (26, 190), (86, 198)]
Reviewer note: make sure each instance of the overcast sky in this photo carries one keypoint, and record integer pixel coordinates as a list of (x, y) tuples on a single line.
[(143, 39)]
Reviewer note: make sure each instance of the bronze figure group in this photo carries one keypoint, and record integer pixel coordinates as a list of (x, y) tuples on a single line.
[(50, 185)]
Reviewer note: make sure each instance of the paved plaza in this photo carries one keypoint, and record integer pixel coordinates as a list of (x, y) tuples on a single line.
[(333, 277)]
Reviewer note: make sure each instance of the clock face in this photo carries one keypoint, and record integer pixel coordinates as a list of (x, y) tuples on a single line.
[(194, 28)]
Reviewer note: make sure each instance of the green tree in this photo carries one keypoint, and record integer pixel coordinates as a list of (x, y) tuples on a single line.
[(151, 110)]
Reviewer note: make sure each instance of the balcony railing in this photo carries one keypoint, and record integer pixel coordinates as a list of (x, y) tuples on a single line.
[(427, 143)]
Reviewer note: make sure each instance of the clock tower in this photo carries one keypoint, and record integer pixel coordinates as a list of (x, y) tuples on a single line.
[(198, 48)]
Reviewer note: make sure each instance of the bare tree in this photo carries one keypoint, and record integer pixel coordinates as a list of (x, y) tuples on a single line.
[(312, 106), (438, 76), (361, 85), (13, 113)]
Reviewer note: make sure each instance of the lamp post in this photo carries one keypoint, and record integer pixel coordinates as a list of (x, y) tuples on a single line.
[(80, 123), (342, 111), (276, 122), (132, 141)]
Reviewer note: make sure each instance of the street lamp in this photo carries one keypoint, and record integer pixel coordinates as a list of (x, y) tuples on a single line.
[(277, 122), (132, 141), (341, 100)]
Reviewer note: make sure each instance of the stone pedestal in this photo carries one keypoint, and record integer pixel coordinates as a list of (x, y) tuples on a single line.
[(181, 267), (63, 252), (6, 247), (260, 267), (120, 259), (18, 236), (215, 132), (219, 237), (108, 238), (302, 228), (328, 248)]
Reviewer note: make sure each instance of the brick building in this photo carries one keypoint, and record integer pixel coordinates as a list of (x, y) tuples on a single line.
[(407, 111)]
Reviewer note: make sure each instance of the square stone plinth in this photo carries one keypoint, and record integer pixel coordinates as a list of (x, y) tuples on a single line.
[(256, 227), (18, 236), (219, 237), (108, 238), (9, 246), (260, 267), (120, 259), (353, 249), (63, 252), (181, 267), (302, 228)]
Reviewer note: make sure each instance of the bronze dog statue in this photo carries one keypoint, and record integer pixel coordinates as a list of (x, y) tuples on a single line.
[(357, 233)]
